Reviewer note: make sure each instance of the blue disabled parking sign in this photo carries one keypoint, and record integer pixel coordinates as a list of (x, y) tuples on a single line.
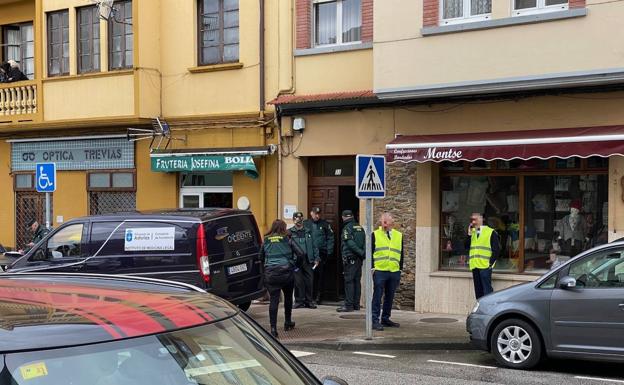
[(45, 177), (371, 176)]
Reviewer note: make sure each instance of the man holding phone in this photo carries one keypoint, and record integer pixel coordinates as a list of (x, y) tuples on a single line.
[(484, 246)]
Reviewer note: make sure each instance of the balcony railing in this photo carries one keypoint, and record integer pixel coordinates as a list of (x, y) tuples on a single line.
[(18, 98)]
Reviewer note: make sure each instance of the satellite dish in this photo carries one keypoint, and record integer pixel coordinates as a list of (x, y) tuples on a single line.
[(105, 8)]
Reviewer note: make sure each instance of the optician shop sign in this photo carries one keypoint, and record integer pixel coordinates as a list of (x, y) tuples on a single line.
[(83, 154)]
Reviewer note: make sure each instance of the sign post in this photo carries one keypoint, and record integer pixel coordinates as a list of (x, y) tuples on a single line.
[(45, 180), (370, 184)]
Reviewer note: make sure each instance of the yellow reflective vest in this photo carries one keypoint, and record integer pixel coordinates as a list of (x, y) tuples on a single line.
[(481, 248), (387, 253)]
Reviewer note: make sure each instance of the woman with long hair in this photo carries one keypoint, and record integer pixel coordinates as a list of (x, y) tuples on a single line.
[(280, 254)]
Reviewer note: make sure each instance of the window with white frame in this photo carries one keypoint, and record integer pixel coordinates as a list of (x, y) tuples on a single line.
[(337, 22), (461, 11), (526, 7)]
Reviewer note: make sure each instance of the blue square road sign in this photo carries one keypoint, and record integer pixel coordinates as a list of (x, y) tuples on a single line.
[(45, 177), (371, 176)]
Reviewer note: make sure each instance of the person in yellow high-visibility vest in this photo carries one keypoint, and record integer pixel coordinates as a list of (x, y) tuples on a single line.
[(484, 246), (387, 266)]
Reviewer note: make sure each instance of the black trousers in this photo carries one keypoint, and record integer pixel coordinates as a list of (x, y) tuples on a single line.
[(482, 279), (304, 280), (353, 287), (319, 280), (274, 295)]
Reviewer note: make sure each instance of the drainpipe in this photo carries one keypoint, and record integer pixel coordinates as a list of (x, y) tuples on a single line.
[(262, 69), (262, 101)]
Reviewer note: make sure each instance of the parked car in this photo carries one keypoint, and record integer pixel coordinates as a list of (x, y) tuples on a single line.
[(574, 311), (116, 330), (215, 249)]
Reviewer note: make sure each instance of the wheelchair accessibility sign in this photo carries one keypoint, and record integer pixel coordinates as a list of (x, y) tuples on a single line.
[(45, 177)]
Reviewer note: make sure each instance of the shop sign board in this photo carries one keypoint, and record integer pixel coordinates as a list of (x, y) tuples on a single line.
[(203, 163)]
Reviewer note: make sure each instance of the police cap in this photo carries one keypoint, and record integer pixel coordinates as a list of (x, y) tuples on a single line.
[(316, 210), (347, 213), (297, 214)]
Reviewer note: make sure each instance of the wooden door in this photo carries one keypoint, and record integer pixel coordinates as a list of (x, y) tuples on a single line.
[(28, 206)]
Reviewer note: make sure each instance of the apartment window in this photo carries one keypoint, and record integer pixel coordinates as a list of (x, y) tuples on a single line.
[(218, 32), (88, 39), (19, 45), (58, 43), (461, 11), (111, 191), (121, 39), (527, 7), (337, 22)]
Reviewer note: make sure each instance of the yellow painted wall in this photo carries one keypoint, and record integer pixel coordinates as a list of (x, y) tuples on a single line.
[(147, 57), (335, 72), (7, 197), (294, 184), (17, 12), (155, 190), (70, 197), (103, 96), (404, 58)]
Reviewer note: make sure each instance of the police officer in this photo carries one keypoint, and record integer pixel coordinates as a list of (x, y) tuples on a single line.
[(353, 253), (324, 236), (304, 278)]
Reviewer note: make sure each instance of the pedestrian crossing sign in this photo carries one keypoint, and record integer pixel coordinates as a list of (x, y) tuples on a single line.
[(371, 176)]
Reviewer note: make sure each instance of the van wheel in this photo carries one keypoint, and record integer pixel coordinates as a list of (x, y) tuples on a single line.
[(516, 344), (244, 306)]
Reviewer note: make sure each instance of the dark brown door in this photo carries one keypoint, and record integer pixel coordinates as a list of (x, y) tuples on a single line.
[(28, 206)]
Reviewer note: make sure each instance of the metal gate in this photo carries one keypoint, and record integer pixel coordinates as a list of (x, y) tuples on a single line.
[(108, 202), (28, 206)]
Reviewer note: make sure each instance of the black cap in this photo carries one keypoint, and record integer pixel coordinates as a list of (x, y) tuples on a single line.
[(30, 223), (316, 210), (297, 214), (347, 213)]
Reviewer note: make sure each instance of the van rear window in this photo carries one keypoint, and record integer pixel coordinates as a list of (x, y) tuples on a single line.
[(114, 238), (236, 233)]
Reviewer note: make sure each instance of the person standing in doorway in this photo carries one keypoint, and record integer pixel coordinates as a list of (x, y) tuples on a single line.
[(304, 278), (324, 237), (387, 245), (353, 253), (484, 247), (279, 254)]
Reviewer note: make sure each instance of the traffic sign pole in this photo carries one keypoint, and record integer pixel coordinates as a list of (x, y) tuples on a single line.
[(47, 199), (368, 280)]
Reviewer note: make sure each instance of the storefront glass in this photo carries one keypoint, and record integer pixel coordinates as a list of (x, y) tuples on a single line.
[(529, 204)]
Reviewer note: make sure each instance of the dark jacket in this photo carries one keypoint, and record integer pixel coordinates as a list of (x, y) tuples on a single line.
[(39, 234), (402, 252), (305, 239), (279, 250), (494, 244), (353, 241), (12, 74), (323, 235)]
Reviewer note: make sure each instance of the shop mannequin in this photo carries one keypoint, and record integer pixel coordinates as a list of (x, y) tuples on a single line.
[(572, 230)]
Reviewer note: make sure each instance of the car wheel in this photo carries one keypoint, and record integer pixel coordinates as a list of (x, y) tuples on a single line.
[(516, 344), (244, 306)]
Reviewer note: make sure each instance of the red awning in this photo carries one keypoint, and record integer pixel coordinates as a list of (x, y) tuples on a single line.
[(543, 144)]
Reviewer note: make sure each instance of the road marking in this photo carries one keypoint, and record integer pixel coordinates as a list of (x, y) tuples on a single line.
[(599, 379), (462, 364), (374, 355), (299, 354)]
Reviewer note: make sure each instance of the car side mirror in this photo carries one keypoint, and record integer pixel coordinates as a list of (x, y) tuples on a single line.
[(331, 380), (567, 282)]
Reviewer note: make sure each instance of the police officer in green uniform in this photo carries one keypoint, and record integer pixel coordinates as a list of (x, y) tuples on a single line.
[(38, 233), (304, 278), (324, 236), (353, 253)]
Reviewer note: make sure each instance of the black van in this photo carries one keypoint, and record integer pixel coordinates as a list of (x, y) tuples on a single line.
[(215, 249)]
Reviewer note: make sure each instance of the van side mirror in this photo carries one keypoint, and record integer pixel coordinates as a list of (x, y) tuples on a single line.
[(567, 282), (331, 380)]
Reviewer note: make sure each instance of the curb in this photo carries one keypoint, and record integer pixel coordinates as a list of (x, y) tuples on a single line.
[(376, 345)]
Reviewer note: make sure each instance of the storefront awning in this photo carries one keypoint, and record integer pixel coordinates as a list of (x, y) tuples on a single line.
[(202, 160), (542, 144)]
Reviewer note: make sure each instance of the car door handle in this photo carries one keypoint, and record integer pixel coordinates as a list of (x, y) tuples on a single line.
[(621, 306)]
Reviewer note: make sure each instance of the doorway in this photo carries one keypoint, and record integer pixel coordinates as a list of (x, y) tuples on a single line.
[(331, 186), (28, 206), (203, 190)]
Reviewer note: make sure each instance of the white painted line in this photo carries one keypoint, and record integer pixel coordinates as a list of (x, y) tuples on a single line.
[(374, 355), (298, 353), (462, 364), (599, 379)]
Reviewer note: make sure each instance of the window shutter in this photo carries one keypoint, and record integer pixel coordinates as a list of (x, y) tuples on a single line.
[(304, 23)]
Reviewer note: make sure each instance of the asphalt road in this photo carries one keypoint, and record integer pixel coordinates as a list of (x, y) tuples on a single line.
[(444, 367)]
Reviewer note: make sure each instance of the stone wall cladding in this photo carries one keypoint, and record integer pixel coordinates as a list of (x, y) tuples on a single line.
[(400, 201)]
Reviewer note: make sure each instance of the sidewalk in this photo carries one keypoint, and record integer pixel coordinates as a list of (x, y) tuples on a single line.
[(327, 329)]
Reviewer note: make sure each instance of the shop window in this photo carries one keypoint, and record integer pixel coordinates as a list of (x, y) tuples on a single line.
[(24, 182), (569, 163), (480, 165), (203, 190), (597, 162), (452, 166), (111, 192), (519, 164)]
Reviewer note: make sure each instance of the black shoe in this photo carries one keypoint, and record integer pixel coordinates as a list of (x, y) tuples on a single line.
[(378, 327), (344, 309), (274, 331), (311, 305), (390, 324), (299, 306), (289, 326)]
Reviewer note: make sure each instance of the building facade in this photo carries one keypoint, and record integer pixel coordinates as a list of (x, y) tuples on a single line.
[(197, 65)]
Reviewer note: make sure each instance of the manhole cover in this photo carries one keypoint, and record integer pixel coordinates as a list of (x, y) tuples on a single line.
[(352, 316), (439, 320)]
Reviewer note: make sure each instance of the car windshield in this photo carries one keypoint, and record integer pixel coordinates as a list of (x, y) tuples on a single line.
[(228, 352)]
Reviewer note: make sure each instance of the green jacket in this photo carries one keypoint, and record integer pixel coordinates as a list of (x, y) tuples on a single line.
[(353, 241), (304, 238), (279, 250), (323, 235), (39, 234)]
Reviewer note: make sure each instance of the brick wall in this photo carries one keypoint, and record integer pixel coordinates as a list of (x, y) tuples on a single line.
[(431, 13), (400, 201), (367, 21), (577, 3)]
